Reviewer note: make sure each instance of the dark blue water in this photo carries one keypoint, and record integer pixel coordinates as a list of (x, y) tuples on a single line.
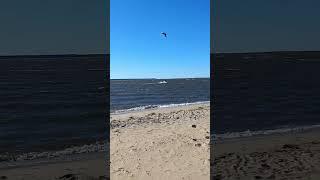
[(146, 93), (260, 91), (50, 102)]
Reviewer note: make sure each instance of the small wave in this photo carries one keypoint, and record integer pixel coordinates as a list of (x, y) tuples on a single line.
[(160, 82), (135, 109), (248, 133), (95, 69), (88, 148), (184, 104), (140, 108), (44, 91), (248, 57), (233, 69), (28, 70), (302, 59)]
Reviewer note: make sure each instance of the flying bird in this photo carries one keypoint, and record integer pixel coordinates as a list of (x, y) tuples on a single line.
[(165, 34)]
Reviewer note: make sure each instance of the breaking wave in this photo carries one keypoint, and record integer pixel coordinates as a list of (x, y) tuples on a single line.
[(248, 133), (140, 108)]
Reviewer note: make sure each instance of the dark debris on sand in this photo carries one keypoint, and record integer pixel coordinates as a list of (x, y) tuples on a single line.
[(69, 177), (169, 117), (81, 177)]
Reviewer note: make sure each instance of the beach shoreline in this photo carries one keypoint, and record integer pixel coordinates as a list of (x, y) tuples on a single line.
[(171, 122), (88, 166), (174, 143)]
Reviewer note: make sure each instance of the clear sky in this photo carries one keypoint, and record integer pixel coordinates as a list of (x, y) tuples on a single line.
[(265, 25), (139, 51), (53, 27)]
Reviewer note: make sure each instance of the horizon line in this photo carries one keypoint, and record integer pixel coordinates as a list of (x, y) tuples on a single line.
[(66, 54), (80, 54), (275, 51), (159, 78)]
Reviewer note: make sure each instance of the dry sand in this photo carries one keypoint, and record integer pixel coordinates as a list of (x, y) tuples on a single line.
[(294, 155), (166, 143)]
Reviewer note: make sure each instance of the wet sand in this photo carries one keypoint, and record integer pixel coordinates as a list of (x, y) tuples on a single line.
[(81, 167), (294, 155)]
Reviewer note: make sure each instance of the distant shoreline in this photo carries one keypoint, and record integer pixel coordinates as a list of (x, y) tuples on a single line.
[(163, 78), (264, 52), (52, 55), (92, 54)]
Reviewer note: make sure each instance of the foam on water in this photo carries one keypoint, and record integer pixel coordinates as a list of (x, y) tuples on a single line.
[(101, 146), (160, 82), (248, 133), (89, 148), (140, 108)]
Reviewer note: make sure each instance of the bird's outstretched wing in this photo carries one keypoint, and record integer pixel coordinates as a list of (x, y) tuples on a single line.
[(163, 33)]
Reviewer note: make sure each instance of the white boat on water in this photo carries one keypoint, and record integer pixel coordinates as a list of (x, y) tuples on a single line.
[(162, 82)]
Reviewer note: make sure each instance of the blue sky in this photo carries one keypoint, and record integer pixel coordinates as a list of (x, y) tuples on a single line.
[(139, 51), (265, 25)]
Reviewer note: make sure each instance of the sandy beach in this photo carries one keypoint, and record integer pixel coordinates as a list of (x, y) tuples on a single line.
[(293, 155), (87, 166), (173, 143), (165, 143)]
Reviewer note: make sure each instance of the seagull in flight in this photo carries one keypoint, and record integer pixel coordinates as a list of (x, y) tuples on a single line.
[(165, 34)]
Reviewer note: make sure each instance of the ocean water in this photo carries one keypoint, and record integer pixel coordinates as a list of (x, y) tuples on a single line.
[(56, 105), (51, 102), (137, 94), (263, 93)]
